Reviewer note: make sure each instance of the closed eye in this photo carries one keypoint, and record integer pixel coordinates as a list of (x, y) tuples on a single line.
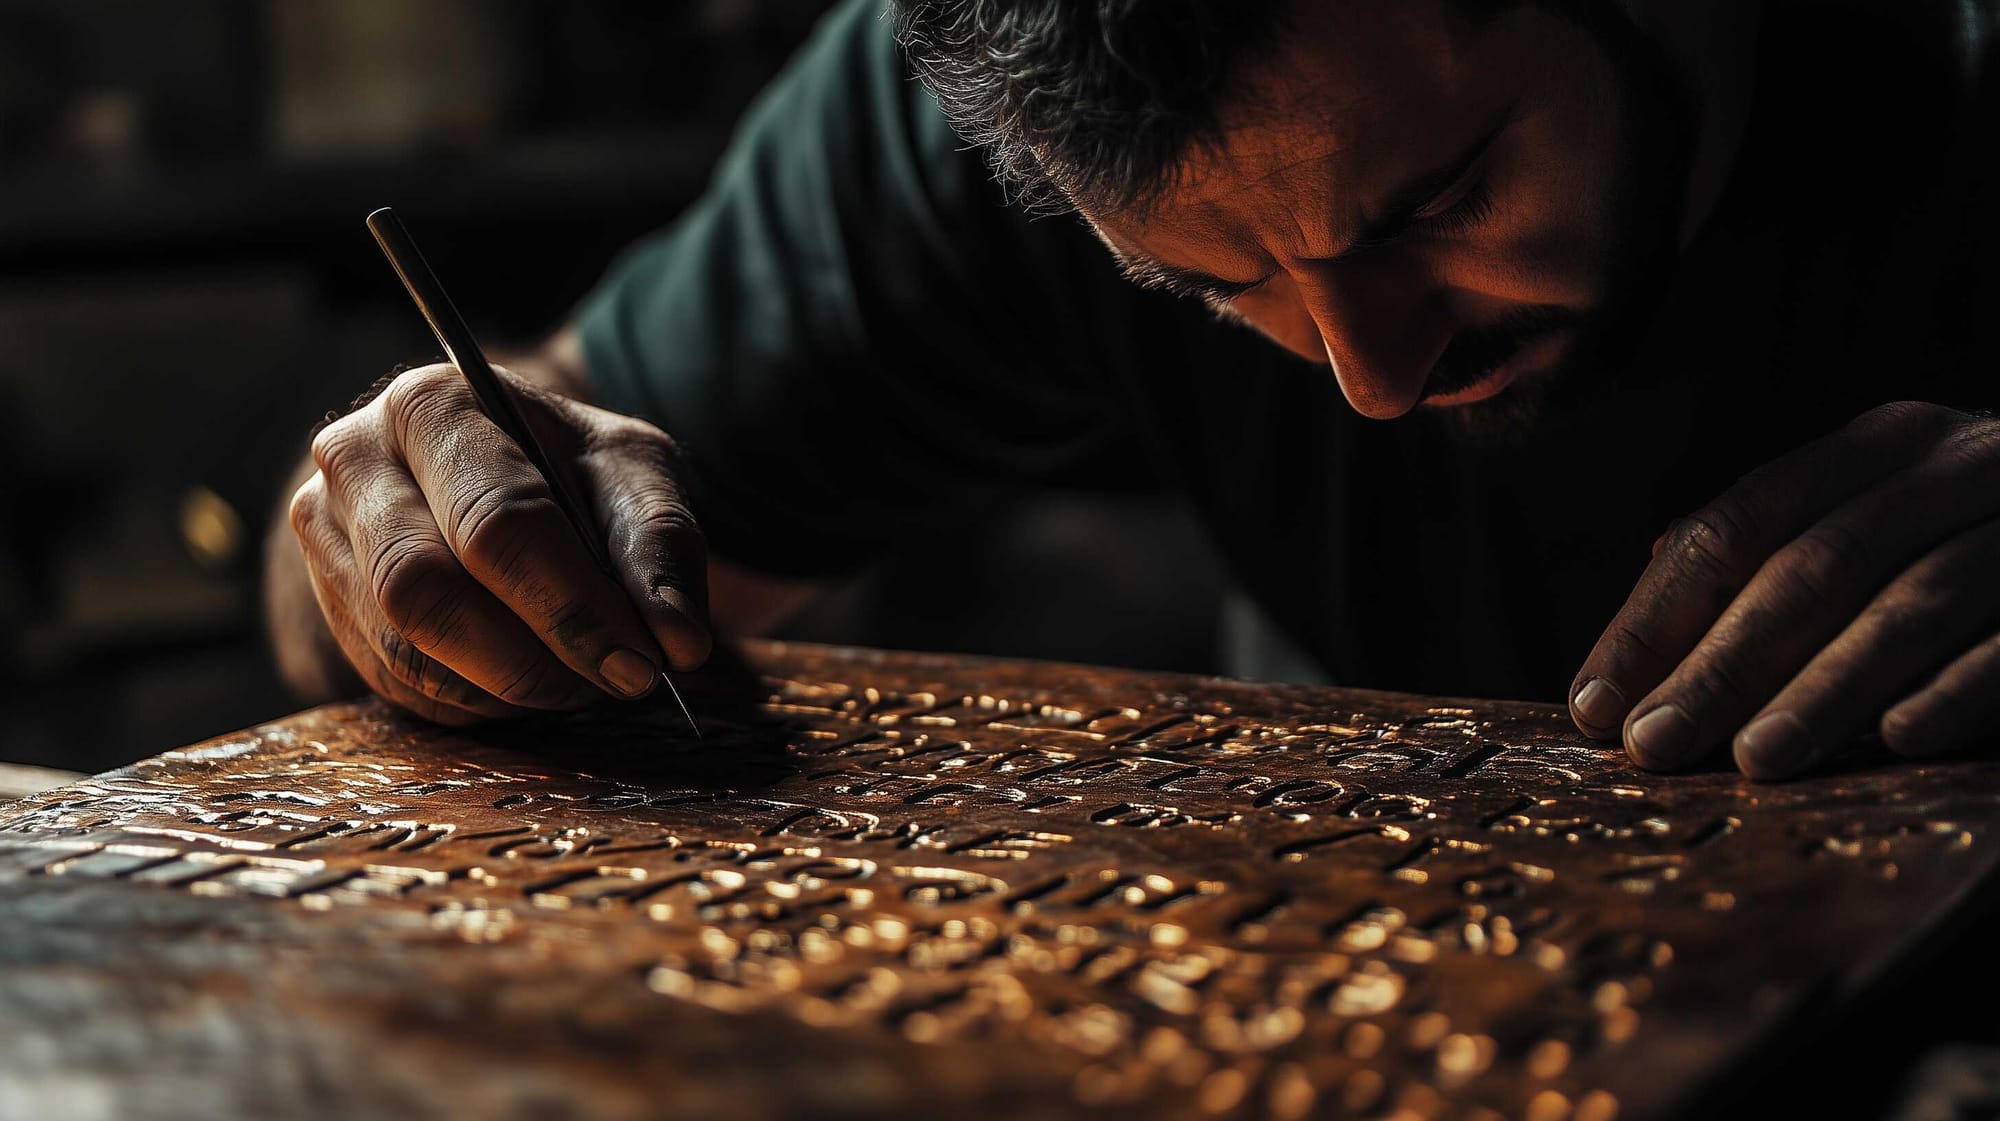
[(1468, 208), (1162, 277), (1451, 197), (1452, 192), (1221, 292)]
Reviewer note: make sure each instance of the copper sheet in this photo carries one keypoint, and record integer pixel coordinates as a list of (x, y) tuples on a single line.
[(891, 885)]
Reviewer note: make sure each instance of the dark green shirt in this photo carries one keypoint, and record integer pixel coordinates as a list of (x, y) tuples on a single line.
[(856, 339)]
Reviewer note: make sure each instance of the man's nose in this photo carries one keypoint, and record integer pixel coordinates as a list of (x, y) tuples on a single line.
[(1381, 330)]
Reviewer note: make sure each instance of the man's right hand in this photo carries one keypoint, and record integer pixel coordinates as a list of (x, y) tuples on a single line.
[(450, 578)]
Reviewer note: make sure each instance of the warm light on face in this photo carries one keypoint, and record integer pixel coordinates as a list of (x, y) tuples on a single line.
[(1434, 211)]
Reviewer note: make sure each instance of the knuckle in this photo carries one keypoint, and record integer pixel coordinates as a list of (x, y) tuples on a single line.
[(1974, 444), (496, 527), (1629, 644), (669, 522), (418, 588), (1921, 601), (1898, 622), (338, 447), (1713, 542), (630, 435), (578, 627), (1828, 558), (1725, 680), (637, 448), (416, 394), (1898, 414)]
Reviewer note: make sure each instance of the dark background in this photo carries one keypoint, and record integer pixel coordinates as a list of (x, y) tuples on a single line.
[(186, 287)]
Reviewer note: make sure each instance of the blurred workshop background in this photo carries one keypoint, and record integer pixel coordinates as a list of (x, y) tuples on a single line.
[(186, 287)]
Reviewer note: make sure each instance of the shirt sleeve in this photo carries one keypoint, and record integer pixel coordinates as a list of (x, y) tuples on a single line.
[(851, 335)]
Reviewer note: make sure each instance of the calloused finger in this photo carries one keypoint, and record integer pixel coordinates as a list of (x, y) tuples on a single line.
[(1923, 619), (1807, 593), (1709, 556)]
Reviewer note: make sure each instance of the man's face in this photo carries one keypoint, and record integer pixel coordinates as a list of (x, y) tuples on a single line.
[(1450, 215)]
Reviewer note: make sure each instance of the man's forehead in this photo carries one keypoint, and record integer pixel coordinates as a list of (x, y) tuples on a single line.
[(1342, 102)]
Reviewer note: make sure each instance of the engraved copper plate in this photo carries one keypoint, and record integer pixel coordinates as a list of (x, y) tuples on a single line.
[(904, 886)]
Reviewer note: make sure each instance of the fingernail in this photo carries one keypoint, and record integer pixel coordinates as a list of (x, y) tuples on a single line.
[(629, 672), (1598, 705), (1773, 746), (1662, 738)]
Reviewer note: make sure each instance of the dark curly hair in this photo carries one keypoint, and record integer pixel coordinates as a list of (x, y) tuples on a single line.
[(1083, 102)]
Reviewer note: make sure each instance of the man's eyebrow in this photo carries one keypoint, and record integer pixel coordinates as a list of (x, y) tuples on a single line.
[(1399, 213), (1149, 273)]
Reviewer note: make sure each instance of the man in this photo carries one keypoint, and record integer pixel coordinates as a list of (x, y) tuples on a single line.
[(1445, 310)]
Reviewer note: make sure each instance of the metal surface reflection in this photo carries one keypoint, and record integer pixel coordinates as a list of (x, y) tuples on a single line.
[(918, 886)]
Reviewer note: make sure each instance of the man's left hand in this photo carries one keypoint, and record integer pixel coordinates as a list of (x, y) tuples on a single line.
[(1851, 587)]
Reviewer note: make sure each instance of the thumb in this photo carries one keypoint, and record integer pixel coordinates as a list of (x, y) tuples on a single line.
[(655, 546)]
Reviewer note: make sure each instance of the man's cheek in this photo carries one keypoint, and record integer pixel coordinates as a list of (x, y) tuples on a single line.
[(1554, 261), (1549, 238)]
